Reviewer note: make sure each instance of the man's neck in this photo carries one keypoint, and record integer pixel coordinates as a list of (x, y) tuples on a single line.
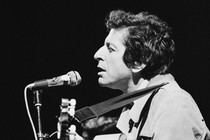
[(142, 83)]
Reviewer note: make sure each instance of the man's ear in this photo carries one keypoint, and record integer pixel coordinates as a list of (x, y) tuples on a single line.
[(137, 67)]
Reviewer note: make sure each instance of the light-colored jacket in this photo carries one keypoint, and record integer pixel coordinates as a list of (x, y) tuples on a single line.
[(169, 114)]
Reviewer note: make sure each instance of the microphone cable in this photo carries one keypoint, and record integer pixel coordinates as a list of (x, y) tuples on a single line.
[(28, 112)]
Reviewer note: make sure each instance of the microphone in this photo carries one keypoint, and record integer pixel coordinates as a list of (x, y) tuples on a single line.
[(72, 78)]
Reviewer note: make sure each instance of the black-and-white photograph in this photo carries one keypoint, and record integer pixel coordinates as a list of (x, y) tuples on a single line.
[(105, 70)]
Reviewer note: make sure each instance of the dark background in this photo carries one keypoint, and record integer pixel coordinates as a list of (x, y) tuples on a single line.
[(47, 38)]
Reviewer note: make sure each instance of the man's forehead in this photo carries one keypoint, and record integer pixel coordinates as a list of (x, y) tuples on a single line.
[(116, 35)]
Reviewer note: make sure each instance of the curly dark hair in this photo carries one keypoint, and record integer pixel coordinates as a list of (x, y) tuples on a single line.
[(148, 41)]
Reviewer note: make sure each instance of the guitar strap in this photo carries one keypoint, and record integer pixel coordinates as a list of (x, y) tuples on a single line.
[(99, 109), (144, 114)]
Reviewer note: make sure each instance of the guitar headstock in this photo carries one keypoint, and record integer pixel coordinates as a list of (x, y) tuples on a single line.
[(65, 129)]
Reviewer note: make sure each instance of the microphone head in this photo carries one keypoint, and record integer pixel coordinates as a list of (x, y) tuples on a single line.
[(72, 78), (75, 78)]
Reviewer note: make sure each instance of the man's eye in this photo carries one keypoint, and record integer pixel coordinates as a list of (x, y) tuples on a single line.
[(109, 47)]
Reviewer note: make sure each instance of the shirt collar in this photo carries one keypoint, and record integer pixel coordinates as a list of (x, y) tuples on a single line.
[(138, 104), (123, 121)]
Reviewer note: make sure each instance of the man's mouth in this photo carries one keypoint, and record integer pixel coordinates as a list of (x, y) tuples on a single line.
[(100, 70)]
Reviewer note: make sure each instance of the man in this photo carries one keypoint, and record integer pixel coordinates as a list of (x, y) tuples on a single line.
[(138, 53)]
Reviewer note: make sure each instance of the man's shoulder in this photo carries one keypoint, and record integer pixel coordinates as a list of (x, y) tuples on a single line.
[(172, 97)]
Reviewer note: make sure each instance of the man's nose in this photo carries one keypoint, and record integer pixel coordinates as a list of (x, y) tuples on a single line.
[(98, 55)]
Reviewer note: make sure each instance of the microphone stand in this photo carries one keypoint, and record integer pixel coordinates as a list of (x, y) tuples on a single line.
[(38, 104)]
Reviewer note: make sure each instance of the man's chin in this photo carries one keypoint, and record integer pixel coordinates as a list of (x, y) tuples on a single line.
[(102, 82)]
